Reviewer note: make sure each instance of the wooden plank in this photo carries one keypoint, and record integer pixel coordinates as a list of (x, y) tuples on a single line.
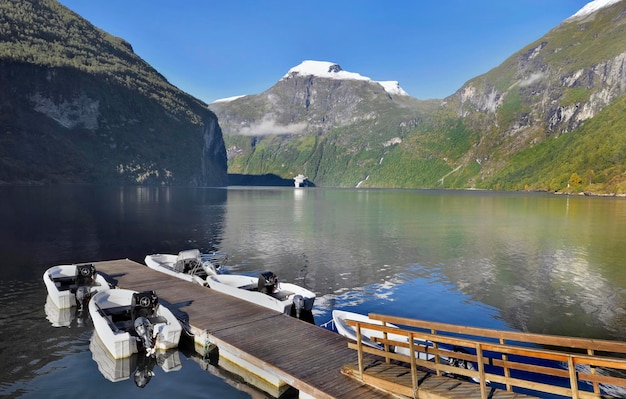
[(393, 378), (307, 356), (541, 339)]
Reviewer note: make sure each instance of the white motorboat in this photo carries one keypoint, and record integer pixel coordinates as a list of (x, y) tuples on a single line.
[(265, 290), (73, 285), (187, 265), (128, 321), (340, 318), (139, 366)]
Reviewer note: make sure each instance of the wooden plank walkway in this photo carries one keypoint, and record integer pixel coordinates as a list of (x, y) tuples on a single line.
[(397, 379), (309, 358)]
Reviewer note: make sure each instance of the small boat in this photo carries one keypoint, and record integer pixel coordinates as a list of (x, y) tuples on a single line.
[(187, 265), (341, 317), (128, 322), (264, 290), (73, 285)]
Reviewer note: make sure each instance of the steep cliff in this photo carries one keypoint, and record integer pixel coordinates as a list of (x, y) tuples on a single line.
[(77, 105), (553, 88)]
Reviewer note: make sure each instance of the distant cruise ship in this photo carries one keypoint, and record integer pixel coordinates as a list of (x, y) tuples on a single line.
[(300, 181)]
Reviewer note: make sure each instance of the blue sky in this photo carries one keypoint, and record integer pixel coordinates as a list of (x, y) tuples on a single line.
[(217, 49)]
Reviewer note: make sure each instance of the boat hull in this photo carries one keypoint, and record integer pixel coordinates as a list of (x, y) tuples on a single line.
[(164, 263), (239, 286), (115, 331), (242, 287), (340, 318), (59, 281)]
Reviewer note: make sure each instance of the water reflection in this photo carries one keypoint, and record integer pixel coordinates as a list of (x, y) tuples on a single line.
[(140, 366), (67, 317), (531, 262), (550, 264)]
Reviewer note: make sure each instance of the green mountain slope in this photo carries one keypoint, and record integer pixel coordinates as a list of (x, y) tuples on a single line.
[(551, 112), (534, 109), (77, 105)]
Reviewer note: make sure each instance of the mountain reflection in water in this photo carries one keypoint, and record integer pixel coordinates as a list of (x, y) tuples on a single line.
[(522, 261)]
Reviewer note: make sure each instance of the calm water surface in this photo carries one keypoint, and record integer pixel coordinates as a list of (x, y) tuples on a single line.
[(528, 262)]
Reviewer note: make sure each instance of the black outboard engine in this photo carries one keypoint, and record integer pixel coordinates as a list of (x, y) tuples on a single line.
[(83, 295), (268, 283), (85, 278), (85, 274), (143, 307), (145, 332)]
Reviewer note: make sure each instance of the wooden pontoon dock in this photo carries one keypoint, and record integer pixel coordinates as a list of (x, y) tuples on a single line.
[(273, 351)]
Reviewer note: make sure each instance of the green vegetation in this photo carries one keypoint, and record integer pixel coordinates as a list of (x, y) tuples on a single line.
[(592, 158), (575, 95), (78, 106), (47, 34)]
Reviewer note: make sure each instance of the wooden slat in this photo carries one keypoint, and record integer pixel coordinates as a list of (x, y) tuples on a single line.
[(541, 339), (499, 352), (313, 359), (307, 356)]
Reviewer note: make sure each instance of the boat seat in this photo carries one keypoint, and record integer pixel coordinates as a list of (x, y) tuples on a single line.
[(282, 295), (186, 265), (250, 287), (116, 310), (64, 283)]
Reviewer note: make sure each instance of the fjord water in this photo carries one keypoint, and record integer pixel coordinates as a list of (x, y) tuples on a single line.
[(521, 261)]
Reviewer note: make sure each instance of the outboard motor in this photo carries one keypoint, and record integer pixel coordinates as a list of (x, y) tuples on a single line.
[(143, 307), (268, 283), (85, 278), (83, 295), (85, 274), (298, 304), (145, 332)]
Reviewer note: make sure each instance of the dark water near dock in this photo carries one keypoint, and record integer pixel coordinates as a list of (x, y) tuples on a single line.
[(528, 262)]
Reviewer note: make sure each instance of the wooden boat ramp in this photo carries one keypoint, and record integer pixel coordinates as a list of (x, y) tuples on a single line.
[(274, 352)]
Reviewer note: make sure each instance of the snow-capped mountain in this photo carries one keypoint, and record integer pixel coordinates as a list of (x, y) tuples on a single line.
[(313, 97), (592, 7), (330, 70), (500, 130)]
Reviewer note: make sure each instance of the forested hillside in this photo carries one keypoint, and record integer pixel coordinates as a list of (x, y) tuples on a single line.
[(78, 105), (550, 117)]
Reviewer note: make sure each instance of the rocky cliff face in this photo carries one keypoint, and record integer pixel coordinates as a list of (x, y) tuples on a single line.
[(307, 102), (313, 119), (88, 110), (550, 88)]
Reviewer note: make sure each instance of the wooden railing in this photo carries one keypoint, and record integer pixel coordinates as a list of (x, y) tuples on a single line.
[(566, 366)]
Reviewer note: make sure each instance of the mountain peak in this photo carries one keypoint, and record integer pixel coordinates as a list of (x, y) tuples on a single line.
[(323, 69), (331, 70), (592, 7)]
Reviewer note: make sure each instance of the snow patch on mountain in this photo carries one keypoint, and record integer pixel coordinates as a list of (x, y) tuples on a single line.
[(330, 70), (592, 7), (228, 99), (393, 87)]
